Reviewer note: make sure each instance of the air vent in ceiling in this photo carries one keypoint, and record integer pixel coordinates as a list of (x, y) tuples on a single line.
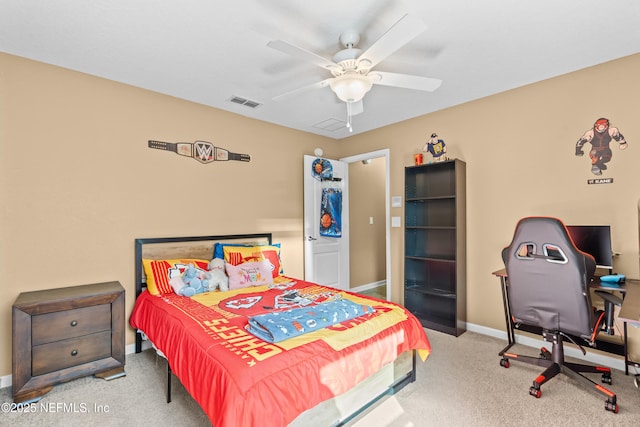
[(244, 101), (331, 124)]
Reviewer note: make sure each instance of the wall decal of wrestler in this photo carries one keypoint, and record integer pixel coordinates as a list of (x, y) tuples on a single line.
[(599, 137), (436, 147)]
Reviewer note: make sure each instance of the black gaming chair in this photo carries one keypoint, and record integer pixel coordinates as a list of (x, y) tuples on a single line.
[(548, 287)]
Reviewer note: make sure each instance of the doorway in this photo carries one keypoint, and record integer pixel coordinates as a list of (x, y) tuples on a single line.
[(380, 156)]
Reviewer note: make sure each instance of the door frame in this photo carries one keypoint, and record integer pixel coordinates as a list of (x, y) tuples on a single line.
[(387, 201)]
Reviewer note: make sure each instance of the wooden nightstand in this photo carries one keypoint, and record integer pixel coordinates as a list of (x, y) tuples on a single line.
[(66, 333)]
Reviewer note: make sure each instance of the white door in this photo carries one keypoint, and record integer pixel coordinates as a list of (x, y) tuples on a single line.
[(326, 259)]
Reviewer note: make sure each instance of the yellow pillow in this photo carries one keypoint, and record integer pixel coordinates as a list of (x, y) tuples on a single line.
[(236, 255), (159, 271)]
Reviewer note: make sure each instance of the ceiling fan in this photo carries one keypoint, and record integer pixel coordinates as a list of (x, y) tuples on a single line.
[(352, 68)]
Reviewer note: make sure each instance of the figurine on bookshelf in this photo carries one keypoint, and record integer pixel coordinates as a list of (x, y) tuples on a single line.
[(436, 147)]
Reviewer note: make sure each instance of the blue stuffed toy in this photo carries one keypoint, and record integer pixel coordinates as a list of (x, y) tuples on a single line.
[(195, 281)]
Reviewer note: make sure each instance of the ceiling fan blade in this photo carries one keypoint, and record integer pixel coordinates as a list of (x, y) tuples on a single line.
[(406, 81), (406, 29), (303, 89), (300, 53)]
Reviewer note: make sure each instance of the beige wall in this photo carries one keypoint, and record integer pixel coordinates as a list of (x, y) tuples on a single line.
[(367, 250), (78, 183), (519, 147)]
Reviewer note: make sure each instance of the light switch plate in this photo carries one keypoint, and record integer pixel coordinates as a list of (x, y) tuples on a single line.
[(395, 221), (396, 201)]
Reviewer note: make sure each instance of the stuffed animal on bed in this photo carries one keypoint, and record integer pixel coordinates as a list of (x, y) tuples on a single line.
[(219, 278), (195, 281)]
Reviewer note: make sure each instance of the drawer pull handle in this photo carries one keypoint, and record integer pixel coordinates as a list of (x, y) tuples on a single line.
[(74, 352), (74, 323)]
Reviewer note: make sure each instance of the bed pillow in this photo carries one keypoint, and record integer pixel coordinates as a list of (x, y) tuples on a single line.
[(251, 273), (218, 248), (236, 255), (160, 271)]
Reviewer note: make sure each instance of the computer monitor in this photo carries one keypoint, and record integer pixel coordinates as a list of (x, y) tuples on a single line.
[(594, 240)]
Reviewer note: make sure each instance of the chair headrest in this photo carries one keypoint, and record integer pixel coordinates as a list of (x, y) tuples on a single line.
[(547, 237)]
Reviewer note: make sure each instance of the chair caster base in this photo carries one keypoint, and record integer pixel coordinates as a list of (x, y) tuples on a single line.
[(610, 406), (535, 392), (545, 354)]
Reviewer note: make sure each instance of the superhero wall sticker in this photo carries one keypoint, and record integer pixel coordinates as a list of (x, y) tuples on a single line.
[(599, 137)]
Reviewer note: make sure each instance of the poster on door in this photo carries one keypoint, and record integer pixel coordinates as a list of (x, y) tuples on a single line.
[(331, 208)]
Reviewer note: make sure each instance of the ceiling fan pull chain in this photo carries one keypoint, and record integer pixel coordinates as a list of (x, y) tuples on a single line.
[(349, 117)]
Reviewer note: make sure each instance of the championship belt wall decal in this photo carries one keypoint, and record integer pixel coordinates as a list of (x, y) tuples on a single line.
[(202, 151)]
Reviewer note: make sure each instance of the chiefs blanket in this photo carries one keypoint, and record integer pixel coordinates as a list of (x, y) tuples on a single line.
[(239, 379)]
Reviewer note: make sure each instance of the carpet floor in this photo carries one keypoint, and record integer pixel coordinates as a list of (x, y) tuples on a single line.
[(460, 384)]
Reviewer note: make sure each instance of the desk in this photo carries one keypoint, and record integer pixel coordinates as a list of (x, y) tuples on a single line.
[(629, 313)]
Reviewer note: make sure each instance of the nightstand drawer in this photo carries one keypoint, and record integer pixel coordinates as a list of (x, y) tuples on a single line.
[(71, 352), (73, 323)]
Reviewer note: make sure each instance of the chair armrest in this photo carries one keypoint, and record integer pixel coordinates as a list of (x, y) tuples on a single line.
[(609, 297)]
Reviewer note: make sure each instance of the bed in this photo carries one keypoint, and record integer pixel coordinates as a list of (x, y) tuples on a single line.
[(324, 378)]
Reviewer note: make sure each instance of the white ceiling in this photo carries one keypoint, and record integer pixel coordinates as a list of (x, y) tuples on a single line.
[(208, 51)]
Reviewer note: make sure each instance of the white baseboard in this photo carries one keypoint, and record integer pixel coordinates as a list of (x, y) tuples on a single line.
[(613, 361), (5, 381), (367, 286)]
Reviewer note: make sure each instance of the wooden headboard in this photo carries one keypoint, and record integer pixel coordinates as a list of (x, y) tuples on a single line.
[(200, 247)]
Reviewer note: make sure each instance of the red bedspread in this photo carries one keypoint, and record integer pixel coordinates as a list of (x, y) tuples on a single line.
[(240, 380)]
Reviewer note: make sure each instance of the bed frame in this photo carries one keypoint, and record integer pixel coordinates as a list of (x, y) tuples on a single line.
[(333, 412)]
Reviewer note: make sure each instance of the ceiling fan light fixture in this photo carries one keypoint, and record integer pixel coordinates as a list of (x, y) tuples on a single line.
[(350, 87)]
